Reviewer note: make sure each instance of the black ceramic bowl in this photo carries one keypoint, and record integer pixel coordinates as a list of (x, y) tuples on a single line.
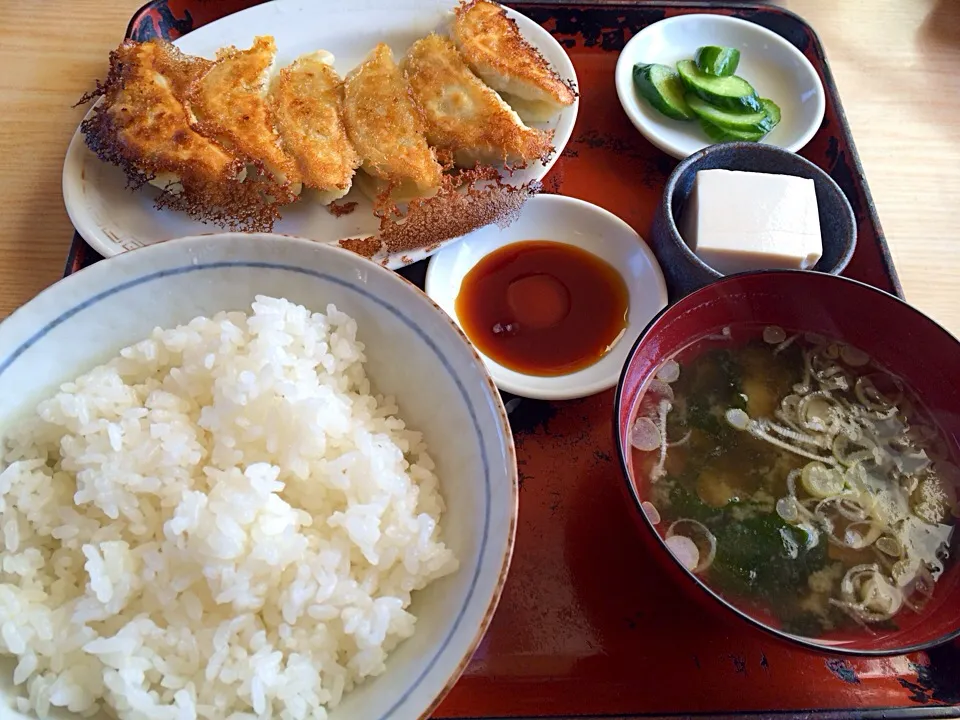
[(685, 272)]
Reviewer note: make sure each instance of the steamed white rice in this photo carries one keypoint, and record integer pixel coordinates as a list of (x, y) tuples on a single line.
[(223, 519)]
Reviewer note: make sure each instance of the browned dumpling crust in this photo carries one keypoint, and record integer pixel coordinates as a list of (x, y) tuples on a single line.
[(465, 116), (307, 104), (387, 130), (497, 52)]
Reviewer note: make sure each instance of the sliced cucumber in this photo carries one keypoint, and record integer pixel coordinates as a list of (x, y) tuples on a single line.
[(727, 93), (719, 61), (719, 134), (773, 112), (723, 133), (661, 87), (751, 122)]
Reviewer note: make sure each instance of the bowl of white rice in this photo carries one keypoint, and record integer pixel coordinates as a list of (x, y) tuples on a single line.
[(248, 477)]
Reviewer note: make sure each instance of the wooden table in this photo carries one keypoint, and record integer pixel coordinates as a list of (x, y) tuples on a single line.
[(896, 63)]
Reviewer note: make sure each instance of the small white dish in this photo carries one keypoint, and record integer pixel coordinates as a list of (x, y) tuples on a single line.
[(112, 219), (583, 225), (775, 68)]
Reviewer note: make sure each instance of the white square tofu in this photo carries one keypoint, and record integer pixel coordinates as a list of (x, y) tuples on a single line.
[(738, 221)]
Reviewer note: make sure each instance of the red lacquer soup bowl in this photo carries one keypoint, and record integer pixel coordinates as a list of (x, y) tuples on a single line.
[(899, 338)]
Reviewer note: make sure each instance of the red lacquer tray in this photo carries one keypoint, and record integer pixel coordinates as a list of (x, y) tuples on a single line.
[(589, 626)]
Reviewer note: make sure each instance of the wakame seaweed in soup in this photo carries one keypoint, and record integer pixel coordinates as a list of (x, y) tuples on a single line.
[(797, 479)]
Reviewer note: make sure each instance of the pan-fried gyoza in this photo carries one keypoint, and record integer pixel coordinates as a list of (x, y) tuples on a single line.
[(230, 140), (307, 101), (463, 115), (142, 125), (493, 47)]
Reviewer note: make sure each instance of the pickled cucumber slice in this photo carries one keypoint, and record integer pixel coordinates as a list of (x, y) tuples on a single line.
[(661, 87), (727, 93), (719, 61)]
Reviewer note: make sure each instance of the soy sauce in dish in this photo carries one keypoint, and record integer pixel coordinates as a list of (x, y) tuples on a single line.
[(543, 308)]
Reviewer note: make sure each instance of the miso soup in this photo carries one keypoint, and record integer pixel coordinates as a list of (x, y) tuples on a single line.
[(797, 479)]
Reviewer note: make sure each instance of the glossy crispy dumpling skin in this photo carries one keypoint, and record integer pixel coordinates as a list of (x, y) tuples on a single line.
[(230, 105), (142, 125), (307, 103), (463, 115), (387, 130), (496, 51)]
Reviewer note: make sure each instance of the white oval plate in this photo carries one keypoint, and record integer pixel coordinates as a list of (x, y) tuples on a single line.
[(775, 68), (574, 222), (113, 219)]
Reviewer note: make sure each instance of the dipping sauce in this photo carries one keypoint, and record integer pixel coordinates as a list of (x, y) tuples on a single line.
[(543, 308)]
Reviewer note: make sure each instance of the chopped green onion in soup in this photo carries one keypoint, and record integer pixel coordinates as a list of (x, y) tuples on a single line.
[(791, 473)]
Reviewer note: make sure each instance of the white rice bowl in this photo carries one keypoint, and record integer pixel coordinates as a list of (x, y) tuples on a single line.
[(223, 521)]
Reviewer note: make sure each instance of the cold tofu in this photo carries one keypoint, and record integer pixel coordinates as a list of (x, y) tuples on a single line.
[(739, 221)]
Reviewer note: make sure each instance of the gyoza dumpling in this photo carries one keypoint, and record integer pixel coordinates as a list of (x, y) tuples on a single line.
[(387, 130), (143, 126), (493, 47), (229, 101), (463, 115), (307, 104)]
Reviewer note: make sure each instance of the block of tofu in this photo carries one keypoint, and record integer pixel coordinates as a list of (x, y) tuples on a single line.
[(739, 221)]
